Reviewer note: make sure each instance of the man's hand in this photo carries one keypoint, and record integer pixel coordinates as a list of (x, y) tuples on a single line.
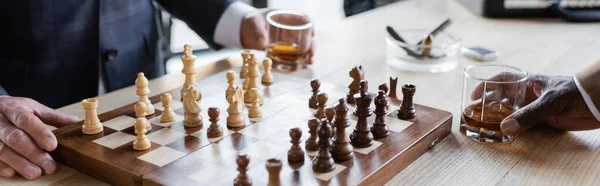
[(25, 139), (552, 100), (254, 34), (253, 31)]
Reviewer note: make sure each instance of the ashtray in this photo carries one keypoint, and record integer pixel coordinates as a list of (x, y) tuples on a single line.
[(419, 53)]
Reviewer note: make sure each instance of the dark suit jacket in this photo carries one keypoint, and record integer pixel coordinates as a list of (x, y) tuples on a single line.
[(51, 50)]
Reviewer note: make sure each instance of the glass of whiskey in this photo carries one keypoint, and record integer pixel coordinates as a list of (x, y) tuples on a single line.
[(490, 94), (290, 39)]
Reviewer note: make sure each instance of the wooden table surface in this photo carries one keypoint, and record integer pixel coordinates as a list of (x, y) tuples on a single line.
[(539, 157)]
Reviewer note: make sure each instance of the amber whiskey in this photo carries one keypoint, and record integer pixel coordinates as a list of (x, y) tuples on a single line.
[(482, 121), (287, 54)]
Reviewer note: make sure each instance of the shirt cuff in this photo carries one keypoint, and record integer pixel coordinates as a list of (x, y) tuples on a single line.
[(588, 100), (227, 32)]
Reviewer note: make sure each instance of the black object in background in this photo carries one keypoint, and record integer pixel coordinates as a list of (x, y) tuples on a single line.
[(353, 7), (570, 10)]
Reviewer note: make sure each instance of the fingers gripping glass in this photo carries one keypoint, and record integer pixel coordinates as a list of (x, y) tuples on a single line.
[(290, 38), (490, 94)]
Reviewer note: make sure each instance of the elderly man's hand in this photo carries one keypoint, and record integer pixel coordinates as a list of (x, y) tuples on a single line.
[(552, 100), (25, 139)]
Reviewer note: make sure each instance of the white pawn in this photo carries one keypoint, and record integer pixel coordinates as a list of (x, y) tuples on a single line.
[(140, 112), (91, 124), (141, 141), (168, 113), (231, 79), (267, 78), (141, 83), (254, 111)]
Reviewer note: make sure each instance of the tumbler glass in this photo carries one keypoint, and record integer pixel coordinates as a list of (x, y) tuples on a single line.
[(290, 38), (490, 94)]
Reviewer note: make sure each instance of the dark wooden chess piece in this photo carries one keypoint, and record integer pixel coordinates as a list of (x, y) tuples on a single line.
[(357, 74), (379, 128), (323, 162), (330, 113), (393, 87), (383, 87), (362, 137), (341, 149), (311, 142), (407, 109), (214, 130), (315, 84), (242, 178), (274, 169), (295, 154), (322, 101)]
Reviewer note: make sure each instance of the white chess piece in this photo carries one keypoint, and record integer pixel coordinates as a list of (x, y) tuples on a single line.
[(267, 78), (189, 60), (140, 112), (192, 116), (141, 83), (168, 113), (235, 109), (253, 80), (254, 111), (91, 124), (141, 141)]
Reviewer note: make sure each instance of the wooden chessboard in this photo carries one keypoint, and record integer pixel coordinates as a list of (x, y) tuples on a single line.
[(185, 156)]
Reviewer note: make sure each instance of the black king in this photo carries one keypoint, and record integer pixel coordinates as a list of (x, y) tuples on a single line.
[(362, 137)]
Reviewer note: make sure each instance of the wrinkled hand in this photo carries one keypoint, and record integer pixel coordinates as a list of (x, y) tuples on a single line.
[(25, 139), (552, 100), (254, 33)]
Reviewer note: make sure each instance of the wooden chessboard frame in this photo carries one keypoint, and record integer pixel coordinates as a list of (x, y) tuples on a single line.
[(120, 166)]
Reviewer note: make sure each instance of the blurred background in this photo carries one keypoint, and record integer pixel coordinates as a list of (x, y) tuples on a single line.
[(323, 12), (177, 33)]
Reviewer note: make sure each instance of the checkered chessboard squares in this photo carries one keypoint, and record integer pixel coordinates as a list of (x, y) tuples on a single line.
[(115, 140), (119, 123), (262, 130), (214, 153), (161, 156), (165, 136), (263, 149), (214, 175)]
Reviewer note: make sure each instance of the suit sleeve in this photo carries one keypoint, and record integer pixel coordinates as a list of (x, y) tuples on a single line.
[(588, 83), (201, 16), (2, 91)]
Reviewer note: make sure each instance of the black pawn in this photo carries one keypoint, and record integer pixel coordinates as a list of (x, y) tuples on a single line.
[(311, 142), (321, 100), (315, 84), (323, 162), (242, 178), (380, 129), (295, 154)]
